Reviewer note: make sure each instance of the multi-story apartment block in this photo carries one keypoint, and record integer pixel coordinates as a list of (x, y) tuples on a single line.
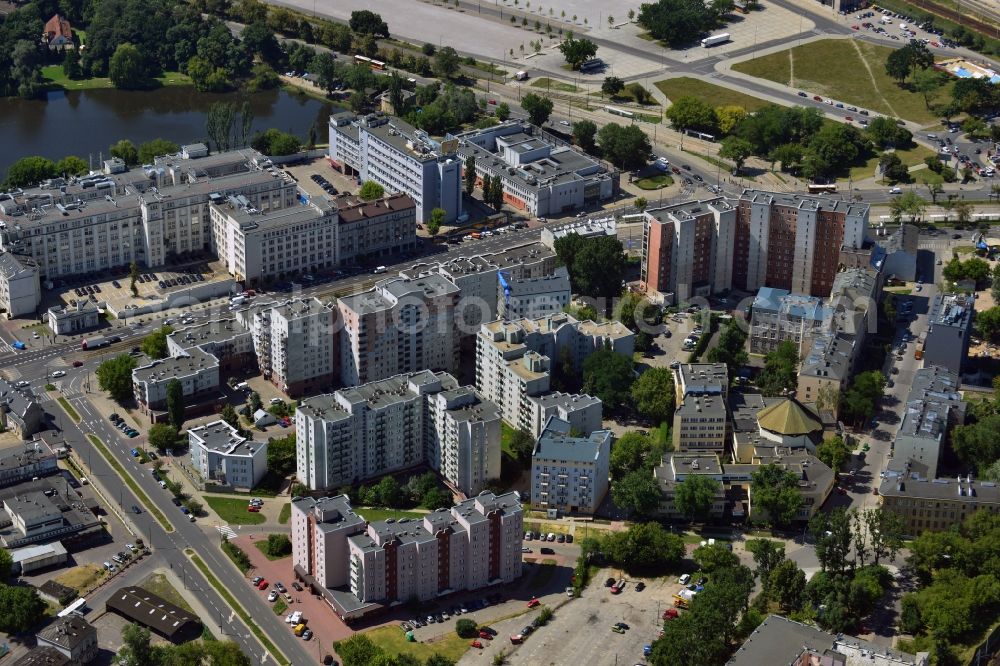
[(73, 319), (583, 412), (400, 158), (531, 298), (853, 302), (687, 249), (700, 424), (569, 474), (538, 176), (20, 286), (584, 228), (297, 344), (772, 239), (933, 407), (949, 330), (368, 229), (826, 370), (399, 423), (320, 529), (221, 455), (475, 544), (779, 316), (197, 372), (360, 568), (401, 325), (227, 340), (701, 379), (513, 363), (936, 504)]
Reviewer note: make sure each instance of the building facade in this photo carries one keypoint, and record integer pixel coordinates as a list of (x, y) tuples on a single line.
[(73, 637), (948, 331), (936, 505), (221, 455), (368, 229), (424, 418), (197, 372), (780, 316), (297, 344), (401, 159), (320, 529), (20, 286), (531, 298), (20, 411), (569, 474), (933, 407), (73, 319)]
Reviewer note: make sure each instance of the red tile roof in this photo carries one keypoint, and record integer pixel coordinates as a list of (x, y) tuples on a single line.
[(57, 26)]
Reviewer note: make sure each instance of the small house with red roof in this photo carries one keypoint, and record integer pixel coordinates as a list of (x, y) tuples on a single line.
[(58, 32)]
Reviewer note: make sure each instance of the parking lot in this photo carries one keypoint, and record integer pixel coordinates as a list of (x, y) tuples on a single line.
[(304, 174), (582, 628)]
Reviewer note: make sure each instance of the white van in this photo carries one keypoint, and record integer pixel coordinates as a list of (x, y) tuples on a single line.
[(380, 269), (163, 484), (685, 579)]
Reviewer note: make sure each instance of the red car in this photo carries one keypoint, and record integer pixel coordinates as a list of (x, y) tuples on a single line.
[(262, 585), (849, 118), (476, 644), (670, 614), (485, 634), (533, 603), (854, 27), (77, 364), (817, 98), (253, 509)]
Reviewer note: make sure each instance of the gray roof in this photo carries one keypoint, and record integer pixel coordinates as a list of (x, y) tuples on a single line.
[(704, 378), (958, 489), (82, 306), (707, 406), (932, 403), (68, 632), (330, 512), (16, 457), (177, 366), (855, 282), (32, 507), (780, 641), (555, 443), (951, 310), (546, 284), (773, 300), (567, 400), (405, 530), (11, 264), (43, 656), (150, 610), (210, 333), (255, 221), (689, 210), (18, 400), (300, 307), (221, 437), (804, 201), (829, 356)]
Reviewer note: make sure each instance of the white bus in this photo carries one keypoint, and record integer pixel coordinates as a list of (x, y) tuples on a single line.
[(715, 39), (619, 112), (75, 607)]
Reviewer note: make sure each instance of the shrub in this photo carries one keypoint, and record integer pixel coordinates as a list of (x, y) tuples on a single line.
[(466, 628)]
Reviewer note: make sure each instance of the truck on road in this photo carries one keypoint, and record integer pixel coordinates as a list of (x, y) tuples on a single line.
[(721, 38), (521, 76), (94, 343)]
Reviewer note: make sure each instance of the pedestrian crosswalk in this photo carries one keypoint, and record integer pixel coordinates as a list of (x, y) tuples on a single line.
[(226, 531)]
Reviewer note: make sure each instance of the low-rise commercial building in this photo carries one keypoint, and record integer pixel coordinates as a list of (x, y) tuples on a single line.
[(146, 609), (585, 228), (400, 158), (34, 558), (20, 285), (569, 474), (26, 461), (197, 372), (370, 229), (929, 504), (424, 418), (701, 417), (40, 512), (949, 327), (538, 176), (933, 407), (224, 457), (73, 319), (779, 316), (73, 637), (227, 340)]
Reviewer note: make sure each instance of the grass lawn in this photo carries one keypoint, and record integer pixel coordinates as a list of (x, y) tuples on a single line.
[(963, 249), (839, 68), (285, 514), (371, 515), (709, 92), (910, 157), (506, 435), (654, 182), (81, 578), (159, 585), (64, 403), (234, 511), (393, 641), (552, 84), (55, 78), (280, 606), (262, 547)]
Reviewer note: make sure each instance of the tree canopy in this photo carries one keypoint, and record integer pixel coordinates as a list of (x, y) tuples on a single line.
[(537, 107), (115, 376), (695, 495), (653, 394), (679, 22), (577, 51), (775, 492), (608, 375), (781, 368), (154, 345), (626, 147), (596, 265)]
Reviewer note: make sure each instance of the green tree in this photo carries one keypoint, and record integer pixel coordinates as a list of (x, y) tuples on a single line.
[(767, 554), (653, 394), (155, 148), (897, 65), (731, 347), (780, 373), (995, 284), (908, 203), (885, 132), (229, 415), (729, 117), (629, 453), (677, 22), (695, 496), (637, 492), (23, 608), (608, 375), (885, 533), (127, 69), (466, 628), (833, 452), (390, 494), (470, 174), (281, 456), (125, 150), (71, 165), (584, 132), (278, 545), (71, 65), (612, 85), (365, 22), (577, 51), (626, 147), (521, 445), (370, 191), (538, 108), (324, 67), (115, 376), (689, 112), (712, 558), (790, 156), (736, 149), (6, 563), (175, 403), (928, 82), (162, 436), (29, 171), (436, 220), (219, 123), (503, 111), (446, 63), (154, 345), (774, 491), (787, 583), (644, 547)]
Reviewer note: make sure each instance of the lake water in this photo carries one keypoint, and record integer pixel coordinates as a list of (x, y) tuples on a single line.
[(86, 122)]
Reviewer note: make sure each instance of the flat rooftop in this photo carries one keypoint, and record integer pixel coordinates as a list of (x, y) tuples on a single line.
[(176, 366), (209, 333), (556, 443), (805, 201), (220, 437)]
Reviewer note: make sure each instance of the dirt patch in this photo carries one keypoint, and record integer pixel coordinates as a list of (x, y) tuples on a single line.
[(80, 578)]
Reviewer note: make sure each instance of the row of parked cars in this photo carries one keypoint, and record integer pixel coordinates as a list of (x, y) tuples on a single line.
[(324, 183), (188, 278), (691, 341), (551, 536), (122, 425)]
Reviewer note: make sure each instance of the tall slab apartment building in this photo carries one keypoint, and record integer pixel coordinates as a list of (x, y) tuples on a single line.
[(774, 239)]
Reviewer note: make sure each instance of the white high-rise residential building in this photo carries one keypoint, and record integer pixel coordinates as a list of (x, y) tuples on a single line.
[(400, 158), (221, 455), (395, 424), (20, 286), (402, 325), (296, 344), (514, 365), (569, 473)]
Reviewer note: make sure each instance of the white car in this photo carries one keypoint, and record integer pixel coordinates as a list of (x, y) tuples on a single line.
[(273, 596), (895, 190), (564, 122), (59, 373)]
